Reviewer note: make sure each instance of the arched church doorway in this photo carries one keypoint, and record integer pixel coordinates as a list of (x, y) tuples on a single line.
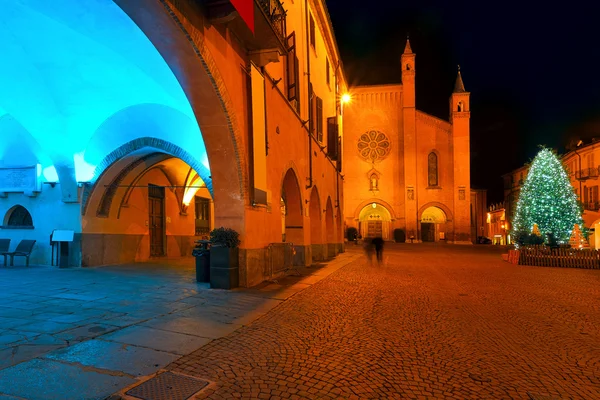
[(375, 220), (146, 204), (433, 221), (316, 229)]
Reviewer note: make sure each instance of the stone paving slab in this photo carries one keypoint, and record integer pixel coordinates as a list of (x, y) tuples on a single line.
[(132, 360), (51, 380), (84, 319), (172, 342)]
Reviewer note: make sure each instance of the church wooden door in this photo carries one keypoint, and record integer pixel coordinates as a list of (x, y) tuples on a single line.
[(427, 232), (156, 199)]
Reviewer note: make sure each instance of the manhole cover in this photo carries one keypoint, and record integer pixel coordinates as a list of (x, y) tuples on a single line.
[(479, 378), (168, 386)]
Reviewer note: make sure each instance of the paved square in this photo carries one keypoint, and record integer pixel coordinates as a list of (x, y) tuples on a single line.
[(436, 321)]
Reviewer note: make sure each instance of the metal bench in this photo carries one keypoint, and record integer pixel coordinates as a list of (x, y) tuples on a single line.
[(23, 249)]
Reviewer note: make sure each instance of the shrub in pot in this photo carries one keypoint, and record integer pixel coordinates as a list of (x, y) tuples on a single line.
[(224, 258)]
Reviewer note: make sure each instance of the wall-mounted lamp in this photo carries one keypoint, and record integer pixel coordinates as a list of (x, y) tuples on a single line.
[(346, 98)]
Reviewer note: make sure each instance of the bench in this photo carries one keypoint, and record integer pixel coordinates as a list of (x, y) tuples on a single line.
[(23, 249)]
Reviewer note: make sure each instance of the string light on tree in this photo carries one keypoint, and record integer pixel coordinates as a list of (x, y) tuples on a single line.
[(548, 200)]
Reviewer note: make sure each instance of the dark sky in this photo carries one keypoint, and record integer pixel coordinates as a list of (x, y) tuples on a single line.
[(533, 72)]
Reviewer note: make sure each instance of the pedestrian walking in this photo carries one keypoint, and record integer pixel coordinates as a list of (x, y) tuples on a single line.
[(378, 243)]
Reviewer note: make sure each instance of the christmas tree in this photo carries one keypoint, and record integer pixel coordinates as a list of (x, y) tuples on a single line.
[(577, 240), (536, 230), (548, 200)]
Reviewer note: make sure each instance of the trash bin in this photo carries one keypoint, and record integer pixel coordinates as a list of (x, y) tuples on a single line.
[(202, 254)]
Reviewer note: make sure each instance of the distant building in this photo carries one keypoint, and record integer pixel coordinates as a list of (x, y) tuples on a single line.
[(407, 170), (580, 163)]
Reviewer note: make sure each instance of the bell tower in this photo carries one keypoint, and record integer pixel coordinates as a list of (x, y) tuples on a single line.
[(460, 115), (409, 123)]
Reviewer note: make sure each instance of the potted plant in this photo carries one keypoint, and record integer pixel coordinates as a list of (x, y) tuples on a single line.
[(224, 258), (202, 253)]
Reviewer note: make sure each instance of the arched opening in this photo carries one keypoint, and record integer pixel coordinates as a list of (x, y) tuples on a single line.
[(18, 217), (146, 204), (340, 229), (316, 229), (292, 224), (460, 106), (375, 220), (330, 229), (433, 223)]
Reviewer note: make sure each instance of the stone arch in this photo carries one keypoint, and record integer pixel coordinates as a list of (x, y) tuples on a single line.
[(439, 205), (316, 225), (434, 222), (375, 220), (293, 223), (371, 201), (329, 221), (143, 143), (176, 32)]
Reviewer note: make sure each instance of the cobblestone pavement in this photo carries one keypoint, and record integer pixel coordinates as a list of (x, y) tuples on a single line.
[(434, 322)]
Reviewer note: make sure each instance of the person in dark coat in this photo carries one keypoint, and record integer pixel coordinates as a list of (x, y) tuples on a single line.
[(378, 243)]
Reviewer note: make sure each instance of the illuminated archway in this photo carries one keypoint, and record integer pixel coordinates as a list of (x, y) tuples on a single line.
[(330, 230), (292, 221), (433, 221), (374, 220)]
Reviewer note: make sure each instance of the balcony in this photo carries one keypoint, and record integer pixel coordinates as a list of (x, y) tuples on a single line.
[(269, 23), (586, 173), (591, 206)]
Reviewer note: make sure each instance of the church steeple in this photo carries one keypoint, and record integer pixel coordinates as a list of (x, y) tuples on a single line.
[(459, 86), (407, 49)]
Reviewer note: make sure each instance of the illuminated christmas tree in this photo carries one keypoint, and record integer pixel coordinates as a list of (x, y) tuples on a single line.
[(577, 239), (548, 200)]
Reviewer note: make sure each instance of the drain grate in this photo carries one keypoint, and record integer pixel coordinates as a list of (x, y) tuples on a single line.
[(168, 386)]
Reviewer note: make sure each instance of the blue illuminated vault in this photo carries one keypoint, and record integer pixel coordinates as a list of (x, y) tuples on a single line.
[(79, 79)]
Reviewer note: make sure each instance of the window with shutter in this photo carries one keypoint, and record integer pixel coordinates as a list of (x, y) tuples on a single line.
[(319, 129), (312, 32), (332, 138), (327, 72), (292, 72)]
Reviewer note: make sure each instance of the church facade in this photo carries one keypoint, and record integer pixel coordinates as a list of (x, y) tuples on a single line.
[(407, 173)]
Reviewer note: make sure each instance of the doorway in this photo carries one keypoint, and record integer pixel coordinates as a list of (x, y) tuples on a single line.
[(156, 206), (427, 232)]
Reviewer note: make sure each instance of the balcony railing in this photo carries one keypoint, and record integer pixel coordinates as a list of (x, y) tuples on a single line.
[(591, 206), (586, 173), (275, 13)]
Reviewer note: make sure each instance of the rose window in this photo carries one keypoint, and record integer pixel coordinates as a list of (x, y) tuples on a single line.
[(373, 146)]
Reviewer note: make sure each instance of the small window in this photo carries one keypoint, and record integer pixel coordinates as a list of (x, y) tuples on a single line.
[(408, 67), (320, 120), (327, 72), (312, 33), (18, 217), (460, 106)]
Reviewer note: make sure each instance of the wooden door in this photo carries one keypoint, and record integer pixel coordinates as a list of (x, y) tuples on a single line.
[(427, 232), (374, 229), (156, 199)]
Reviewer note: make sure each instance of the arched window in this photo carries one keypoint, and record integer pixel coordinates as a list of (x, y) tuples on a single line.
[(432, 169), (408, 67), (460, 106), (18, 217), (374, 182)]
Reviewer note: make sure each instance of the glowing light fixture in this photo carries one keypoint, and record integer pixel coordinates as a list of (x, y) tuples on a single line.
[(374, 205), (346, 98)]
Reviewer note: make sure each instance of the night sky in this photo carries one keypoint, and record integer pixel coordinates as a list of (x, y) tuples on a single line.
[(532, 71)]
